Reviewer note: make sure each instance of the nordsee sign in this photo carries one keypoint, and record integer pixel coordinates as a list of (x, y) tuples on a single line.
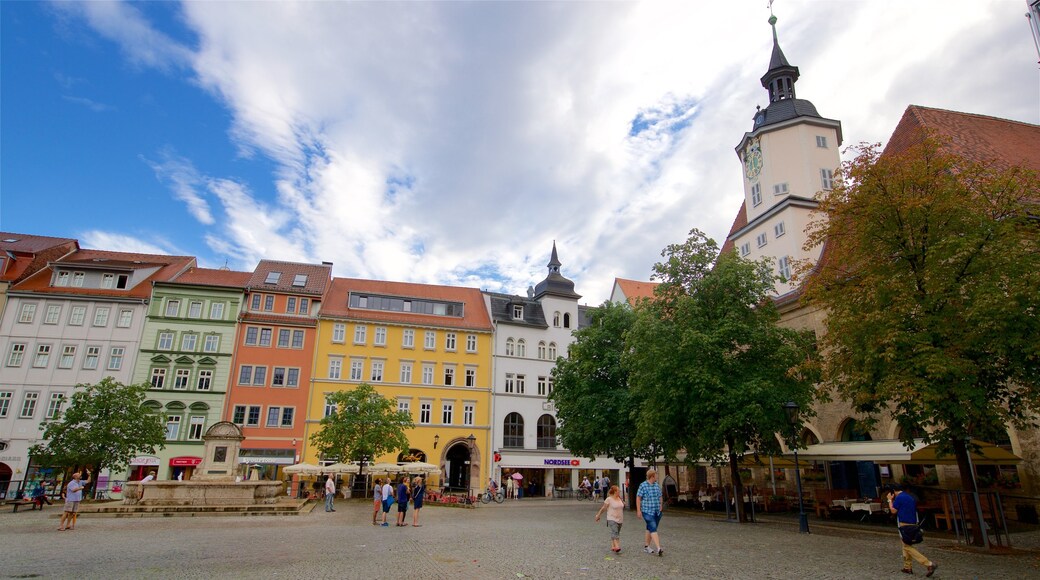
[(567, 462)]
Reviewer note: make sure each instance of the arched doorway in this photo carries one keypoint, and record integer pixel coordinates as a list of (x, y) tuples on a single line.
[(457, 466), (5, 479)]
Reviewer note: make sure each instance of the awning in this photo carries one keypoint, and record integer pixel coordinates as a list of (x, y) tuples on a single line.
[(893, 451), (148, 460)]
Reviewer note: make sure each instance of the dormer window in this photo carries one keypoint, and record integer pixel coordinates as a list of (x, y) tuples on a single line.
[(518, 312), (77, 279), (272, 277), (62, 280), (299, 280)]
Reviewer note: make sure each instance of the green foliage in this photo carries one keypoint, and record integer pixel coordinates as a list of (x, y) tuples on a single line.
[(365, 425), (594, 406), (104, 426), (930, 285)]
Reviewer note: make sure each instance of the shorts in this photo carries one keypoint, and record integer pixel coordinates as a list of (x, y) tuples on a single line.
[(72, 506), (402, 507), (386, 505), (418, 504), (652, 520), (615, 529)]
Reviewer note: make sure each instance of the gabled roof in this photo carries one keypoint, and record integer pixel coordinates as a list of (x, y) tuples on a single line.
[(739, 223), (166, 268), (337, 304), (316, 281), (23, 255), (502, 310), (214, 277), (635, 289)]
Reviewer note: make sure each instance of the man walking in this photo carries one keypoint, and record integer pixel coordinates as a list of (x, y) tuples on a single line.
[(330, 493), (648, 507), (905, 507)]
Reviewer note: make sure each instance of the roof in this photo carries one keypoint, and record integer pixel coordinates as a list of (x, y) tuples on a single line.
[(502, 310), (556, 283), (27, 254), (214, 277), (475, 315), (316, 281), (634, 289), (167, 268), (739, 223)]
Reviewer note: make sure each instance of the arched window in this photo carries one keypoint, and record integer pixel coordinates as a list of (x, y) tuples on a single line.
[(510, 346), (521, 348), (552, 351), (566, 319), (541, 350), (851, 431), (556, 319), (546, 432), (809, 438), (513, 431)]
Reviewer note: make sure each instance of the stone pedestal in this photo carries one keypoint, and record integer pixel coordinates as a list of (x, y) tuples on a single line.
[(220, 456)]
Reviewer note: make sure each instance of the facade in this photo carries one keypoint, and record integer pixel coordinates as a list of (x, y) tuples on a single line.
[(427, 347), (530, 333), (269, 387), (75, 321), (185, 356)]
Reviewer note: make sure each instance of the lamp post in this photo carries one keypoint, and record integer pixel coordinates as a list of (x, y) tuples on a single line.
[(791, 409)]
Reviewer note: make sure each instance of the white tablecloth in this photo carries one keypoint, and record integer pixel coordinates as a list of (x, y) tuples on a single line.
[(865, 507)]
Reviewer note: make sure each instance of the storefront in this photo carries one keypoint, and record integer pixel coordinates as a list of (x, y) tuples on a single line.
[(141, 465), (264, 464), (182, 468), (542, 476)]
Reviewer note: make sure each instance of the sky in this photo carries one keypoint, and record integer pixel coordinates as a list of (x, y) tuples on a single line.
[(450, 142)]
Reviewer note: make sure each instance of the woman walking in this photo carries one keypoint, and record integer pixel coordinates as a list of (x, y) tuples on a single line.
[(418, 493), (615, 507)]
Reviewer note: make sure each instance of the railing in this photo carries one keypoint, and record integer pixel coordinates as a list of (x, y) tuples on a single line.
[(962, 510)]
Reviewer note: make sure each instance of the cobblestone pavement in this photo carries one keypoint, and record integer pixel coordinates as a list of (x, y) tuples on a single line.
[(526, 539)]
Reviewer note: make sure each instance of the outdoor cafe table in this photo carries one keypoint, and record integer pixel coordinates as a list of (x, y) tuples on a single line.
[(870, 508), (843, 503)]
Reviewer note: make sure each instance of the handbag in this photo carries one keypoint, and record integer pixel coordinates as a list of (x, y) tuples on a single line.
[(911, 534)]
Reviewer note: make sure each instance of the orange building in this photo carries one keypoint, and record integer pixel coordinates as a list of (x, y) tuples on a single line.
[(271, 369)]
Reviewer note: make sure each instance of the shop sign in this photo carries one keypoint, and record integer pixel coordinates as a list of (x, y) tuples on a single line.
[(147, 460), (266, 460), (567, 462), (185, 461)]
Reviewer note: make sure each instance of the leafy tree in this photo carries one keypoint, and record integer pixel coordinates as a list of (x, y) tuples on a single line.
[(365, 425), (594, 405), (930, 284), (104, 426), (709, 360)]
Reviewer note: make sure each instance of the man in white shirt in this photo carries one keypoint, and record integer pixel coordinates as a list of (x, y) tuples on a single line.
[(330, 493), (388, 494)]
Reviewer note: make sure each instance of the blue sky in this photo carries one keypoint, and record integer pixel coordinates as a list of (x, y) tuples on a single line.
[(449, 142)]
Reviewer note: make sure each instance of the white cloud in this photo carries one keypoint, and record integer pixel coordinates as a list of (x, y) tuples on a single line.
[(121, 242), (185, 182)]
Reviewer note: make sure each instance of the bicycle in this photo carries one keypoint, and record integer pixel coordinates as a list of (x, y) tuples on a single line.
[(487, 496), (584, 494)]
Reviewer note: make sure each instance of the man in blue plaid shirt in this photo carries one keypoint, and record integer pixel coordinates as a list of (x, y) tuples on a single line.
[(648, 507)]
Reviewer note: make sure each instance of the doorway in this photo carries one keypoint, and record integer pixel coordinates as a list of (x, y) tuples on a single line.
[(458, 464)]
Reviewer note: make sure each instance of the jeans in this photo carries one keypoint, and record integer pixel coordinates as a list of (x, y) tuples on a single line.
[(652, 521), (328, 501)]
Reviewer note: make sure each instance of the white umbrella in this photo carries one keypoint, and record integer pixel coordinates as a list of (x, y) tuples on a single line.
[(341, 468), (420, 467), (384, 468), (303, 469)]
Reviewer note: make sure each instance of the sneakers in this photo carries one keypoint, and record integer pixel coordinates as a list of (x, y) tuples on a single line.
[(385, 525), (660, 552), (648, 549), (931, 570)]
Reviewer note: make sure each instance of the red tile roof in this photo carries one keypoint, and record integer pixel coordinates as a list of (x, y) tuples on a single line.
[(738, 223), (212, 277), (476, 317), (634, 289), (30, 254), (168, 268), (318, 277)]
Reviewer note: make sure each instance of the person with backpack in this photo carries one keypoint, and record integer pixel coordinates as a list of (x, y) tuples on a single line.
[(388, 500)]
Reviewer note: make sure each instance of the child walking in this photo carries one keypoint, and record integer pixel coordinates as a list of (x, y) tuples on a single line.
[(615, 507)]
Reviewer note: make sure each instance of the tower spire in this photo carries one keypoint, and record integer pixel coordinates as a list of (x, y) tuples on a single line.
[(780, 78)]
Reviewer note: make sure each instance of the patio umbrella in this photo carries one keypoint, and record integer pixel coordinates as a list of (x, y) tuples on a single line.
[(303, 469), (420, 467), (384, 468), (517, 476), (341, 468)]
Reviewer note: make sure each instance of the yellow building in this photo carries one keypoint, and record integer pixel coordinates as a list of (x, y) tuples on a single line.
[(427, 347)]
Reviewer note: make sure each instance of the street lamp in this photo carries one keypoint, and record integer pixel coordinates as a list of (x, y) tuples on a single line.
[(791, 409), (436, 440)]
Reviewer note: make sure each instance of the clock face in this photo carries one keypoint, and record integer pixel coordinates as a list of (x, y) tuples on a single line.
[(753, 160)]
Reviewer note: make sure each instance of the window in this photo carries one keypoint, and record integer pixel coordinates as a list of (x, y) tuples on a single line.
[(404, 406), (779, 230), (108, 280), (510, 382), (165, 341), (566, 319), (216, 311), (756, 194), (63, 279), (761, 239), (27, 314), (299, 280), (54, 405), (357, 369), (785, 268), (821, 141), (269, 302), (158, 378), (195, 426), (17, 354), (449, 375), (5, 402), (274, 416), (520, 380), (173, 427), (513, 431), (292, 377), (90, 361), (745, 249), (541, 386), (305, 306), (449, 341), (194, 310), (556, 319), (518, 312), (43, 356), (335, 367), (181, 378), (252, 333), (288, 414), (406, 372), (253, 419), (188, 342), (29, 405), (447, 410), (427, 374), (254, 303), (265, 336), (471, 377), (552, 351), (339, 332), (212, 343), (546, 432), (68, 357), (541, 350), (283, 338), (205, 381), (521, 345), (245, 374), (430, 341), (278, 377), (173, 307), (77, 279), (467, 414), (330, 408), (272, 277), (550, 384), (297, 339), (425, 410), (780, 189), (408, 338), (290, 305), (53, 313), (510, 346), (377, 371), (76, 315), (380, 339), (471, 343), (826, 179), (360, 332), (101, 316), (126, 318)]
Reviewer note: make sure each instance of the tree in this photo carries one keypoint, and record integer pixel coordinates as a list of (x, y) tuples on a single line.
[(365, 425), (930, 279), (709, 360), (594, 405), (104, 426)]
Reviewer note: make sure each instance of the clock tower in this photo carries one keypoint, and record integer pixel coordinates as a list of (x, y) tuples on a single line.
[(789, 156)]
